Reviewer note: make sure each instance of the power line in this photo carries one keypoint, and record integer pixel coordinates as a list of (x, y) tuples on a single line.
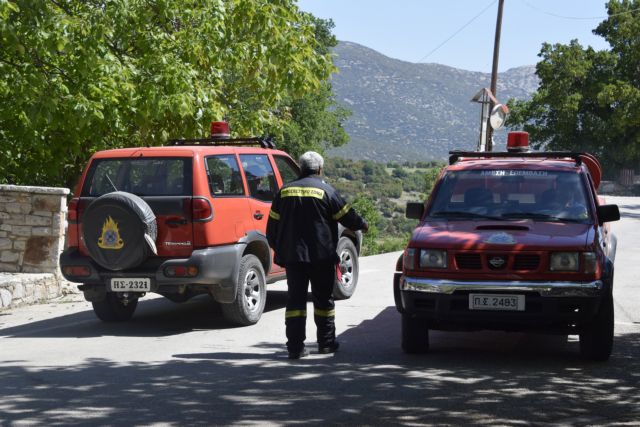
[(457, 31), (577, 18)]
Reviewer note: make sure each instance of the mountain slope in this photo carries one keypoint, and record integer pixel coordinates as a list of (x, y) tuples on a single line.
[(405, 111)]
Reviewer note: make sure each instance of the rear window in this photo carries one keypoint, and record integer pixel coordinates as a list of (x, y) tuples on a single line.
[(509, 194), (160, 176)]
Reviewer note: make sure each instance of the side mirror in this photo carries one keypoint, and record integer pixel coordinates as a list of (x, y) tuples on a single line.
[(415, 210), (607, 213)]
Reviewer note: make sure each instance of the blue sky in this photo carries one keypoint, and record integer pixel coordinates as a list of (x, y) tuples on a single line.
[(412, 30)]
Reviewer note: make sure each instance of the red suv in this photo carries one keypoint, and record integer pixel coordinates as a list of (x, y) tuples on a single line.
[(183, 220), (511, 241)]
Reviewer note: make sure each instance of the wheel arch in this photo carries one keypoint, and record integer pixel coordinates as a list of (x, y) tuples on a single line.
[(257, 244)]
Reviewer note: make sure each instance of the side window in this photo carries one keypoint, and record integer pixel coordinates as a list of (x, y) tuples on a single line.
[(289, 171), (224, 176), (260, 177)]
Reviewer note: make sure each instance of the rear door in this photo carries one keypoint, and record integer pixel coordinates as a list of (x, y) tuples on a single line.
[(164, 182)]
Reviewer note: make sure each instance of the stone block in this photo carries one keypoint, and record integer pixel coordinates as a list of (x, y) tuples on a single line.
[(4, 215), (41, 231), (14, 219), (6, 199), (19, 245), (6, 227), (18, 291), (5, 243), (9, 256), (8, 268), (5, 298), (3, 234), (19, 230), (51, 203), (42, 213), (37, 220), (17, 208)]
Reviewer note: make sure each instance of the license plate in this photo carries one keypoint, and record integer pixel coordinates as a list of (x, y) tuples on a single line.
[(496, 302), (131, 285)]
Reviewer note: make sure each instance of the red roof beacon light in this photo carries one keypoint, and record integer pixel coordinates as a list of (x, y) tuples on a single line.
[(220, 130), (518, 142)]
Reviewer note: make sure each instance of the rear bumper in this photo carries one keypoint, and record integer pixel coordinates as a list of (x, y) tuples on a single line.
[(561, 307), (216, 266)]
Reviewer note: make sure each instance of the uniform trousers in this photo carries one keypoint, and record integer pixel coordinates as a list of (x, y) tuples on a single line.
[(322, 277)]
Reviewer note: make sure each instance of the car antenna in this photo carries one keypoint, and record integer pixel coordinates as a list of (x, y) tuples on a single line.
[(111, 182)]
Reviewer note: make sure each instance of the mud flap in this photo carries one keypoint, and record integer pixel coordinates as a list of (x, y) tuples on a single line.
[(223, 293), (93, 294)]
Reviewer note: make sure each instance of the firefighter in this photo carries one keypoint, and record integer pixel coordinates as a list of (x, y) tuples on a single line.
[(303, 231)]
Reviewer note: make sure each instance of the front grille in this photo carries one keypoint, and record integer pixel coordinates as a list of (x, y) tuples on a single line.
[(526, 262), (469, 261), (497, 261)]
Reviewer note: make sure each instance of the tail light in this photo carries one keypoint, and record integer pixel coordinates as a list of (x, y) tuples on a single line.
[(181, 271), (76, 271), (72, 210), (201, 209)]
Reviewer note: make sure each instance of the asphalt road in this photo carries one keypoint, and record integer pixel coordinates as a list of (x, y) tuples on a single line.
[(181, 364)]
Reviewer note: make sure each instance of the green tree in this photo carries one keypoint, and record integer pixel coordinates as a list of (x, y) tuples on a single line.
[(366, 207), (590, 100), (76, 77)]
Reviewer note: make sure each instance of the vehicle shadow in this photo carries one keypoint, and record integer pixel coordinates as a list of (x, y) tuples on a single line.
[(153, 318), (505, 379)]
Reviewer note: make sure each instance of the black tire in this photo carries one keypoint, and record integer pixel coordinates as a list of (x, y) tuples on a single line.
[(415, 335), (596, 339), (251, 293), (345, 286), (112, 309), (119, 230)]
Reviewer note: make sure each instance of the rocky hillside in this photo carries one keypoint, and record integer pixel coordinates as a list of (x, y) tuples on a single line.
[(406, 111)]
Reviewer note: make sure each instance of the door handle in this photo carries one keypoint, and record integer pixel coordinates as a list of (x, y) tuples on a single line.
[(175, 222), (258, 215)]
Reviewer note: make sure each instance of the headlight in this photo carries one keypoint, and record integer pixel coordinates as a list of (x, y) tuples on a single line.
[(409, 259), (564, 261), (433, 258)]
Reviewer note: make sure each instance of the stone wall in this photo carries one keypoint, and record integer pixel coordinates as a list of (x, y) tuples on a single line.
[(32, 225)]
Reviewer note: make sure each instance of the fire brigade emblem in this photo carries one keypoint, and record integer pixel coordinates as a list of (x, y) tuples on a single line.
[(110, 238), (501, 239)]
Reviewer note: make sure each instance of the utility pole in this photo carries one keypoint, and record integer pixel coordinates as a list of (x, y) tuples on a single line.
[(494, 72)]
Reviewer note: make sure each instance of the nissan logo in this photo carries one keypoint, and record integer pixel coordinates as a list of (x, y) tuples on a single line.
[(497, 261)]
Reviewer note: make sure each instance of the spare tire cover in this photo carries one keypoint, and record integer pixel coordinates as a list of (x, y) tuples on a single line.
[(119, 230)]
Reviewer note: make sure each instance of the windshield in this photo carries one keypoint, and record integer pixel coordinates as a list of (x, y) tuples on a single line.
[(511, 194), (148, 176)]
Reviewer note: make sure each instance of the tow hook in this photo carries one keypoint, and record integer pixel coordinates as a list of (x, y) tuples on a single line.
[(126, 298)]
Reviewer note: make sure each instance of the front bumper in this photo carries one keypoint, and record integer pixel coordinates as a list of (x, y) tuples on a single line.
[(549, 306), (545, 289)]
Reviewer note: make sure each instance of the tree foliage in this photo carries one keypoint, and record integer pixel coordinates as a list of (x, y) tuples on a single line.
[(80, 76), (589, 100)]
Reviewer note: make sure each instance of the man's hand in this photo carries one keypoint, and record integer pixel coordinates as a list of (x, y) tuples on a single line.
[(365, 227)]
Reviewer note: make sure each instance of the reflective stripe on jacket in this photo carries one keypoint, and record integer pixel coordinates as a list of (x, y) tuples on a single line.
[(303, 222)]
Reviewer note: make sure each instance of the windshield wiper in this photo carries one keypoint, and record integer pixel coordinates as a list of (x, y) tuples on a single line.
[(463, 214), (539, 216)]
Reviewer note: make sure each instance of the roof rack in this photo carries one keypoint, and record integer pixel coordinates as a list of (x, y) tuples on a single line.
[(454, 156), (264, 142)]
